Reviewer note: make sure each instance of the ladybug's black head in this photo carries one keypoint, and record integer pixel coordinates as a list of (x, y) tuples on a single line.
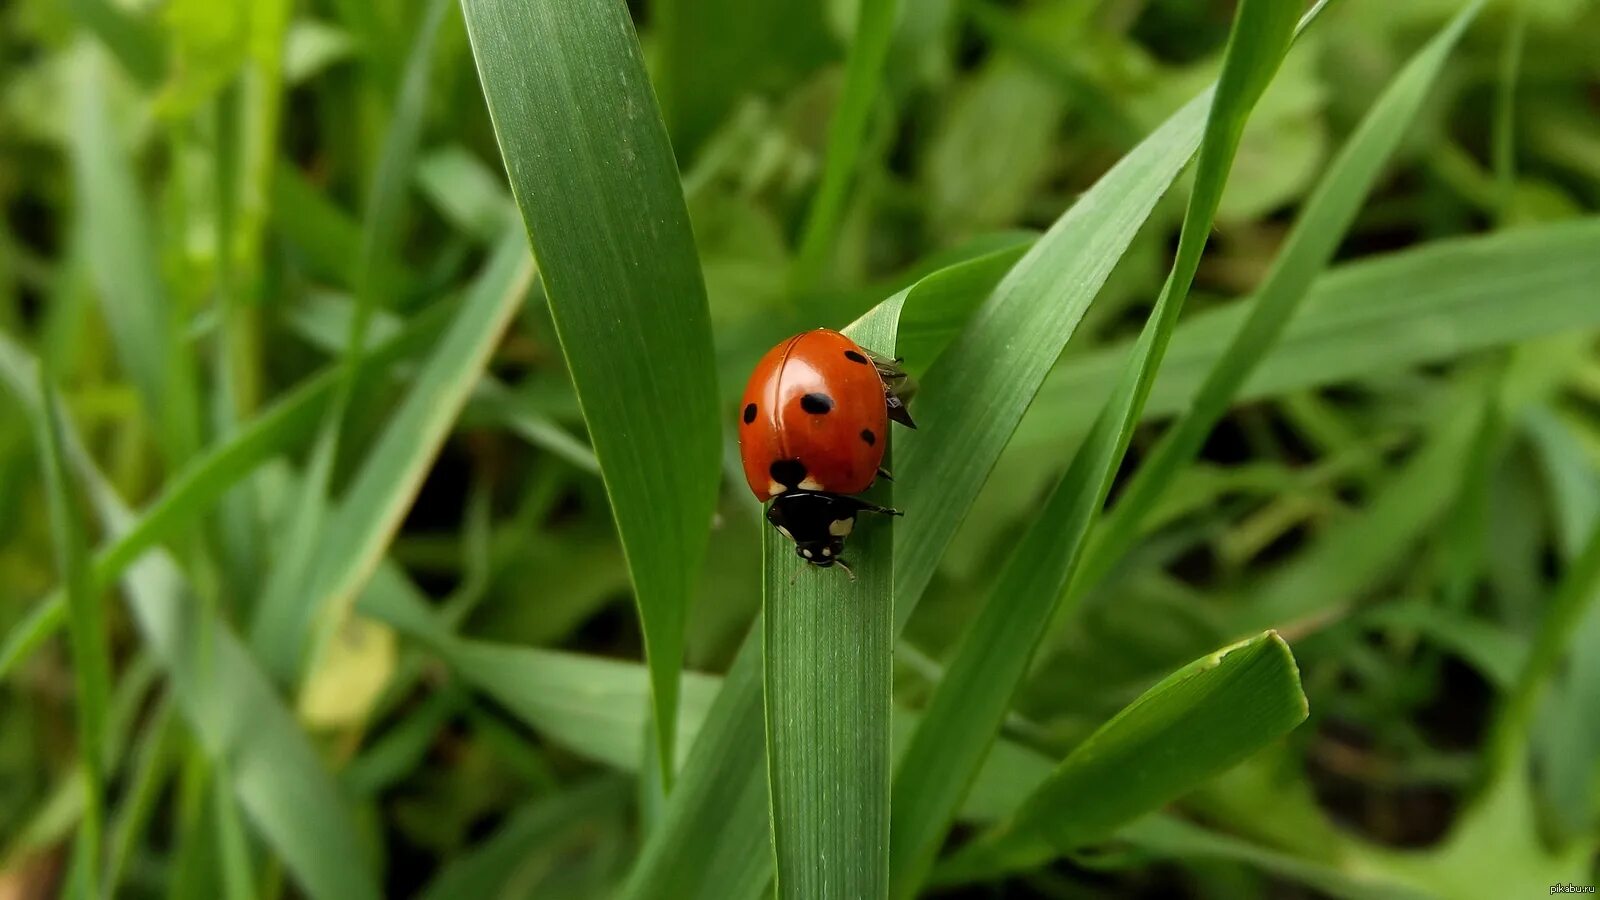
[(817, 522)]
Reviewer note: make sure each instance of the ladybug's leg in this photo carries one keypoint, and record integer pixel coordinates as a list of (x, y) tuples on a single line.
[(884, 474), (864, 506), (898, 387)]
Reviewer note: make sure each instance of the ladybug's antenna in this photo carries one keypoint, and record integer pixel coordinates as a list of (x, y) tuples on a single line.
[(841, 564)]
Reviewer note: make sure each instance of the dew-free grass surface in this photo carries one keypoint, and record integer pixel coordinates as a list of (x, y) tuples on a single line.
[(479, 518), (593, 173)]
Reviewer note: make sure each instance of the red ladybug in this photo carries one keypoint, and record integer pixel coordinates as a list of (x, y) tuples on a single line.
[(813, 425)]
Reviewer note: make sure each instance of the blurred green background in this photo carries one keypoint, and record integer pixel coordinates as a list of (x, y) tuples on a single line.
[(192, 191)]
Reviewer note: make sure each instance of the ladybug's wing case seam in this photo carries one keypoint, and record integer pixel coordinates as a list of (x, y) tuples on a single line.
[(773, 404)]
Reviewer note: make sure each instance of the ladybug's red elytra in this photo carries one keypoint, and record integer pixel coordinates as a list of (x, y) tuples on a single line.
[(813, 426)]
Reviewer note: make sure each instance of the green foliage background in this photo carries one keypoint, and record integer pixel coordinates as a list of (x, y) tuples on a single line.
[(351, 549)]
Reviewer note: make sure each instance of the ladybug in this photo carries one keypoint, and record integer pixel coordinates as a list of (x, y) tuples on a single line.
[(813, 426)]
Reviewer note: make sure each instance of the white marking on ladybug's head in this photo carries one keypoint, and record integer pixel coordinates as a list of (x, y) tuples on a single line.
[(827, 551), (806, 552), (774, 489), (810, 484), (785, 532), (841, 527)]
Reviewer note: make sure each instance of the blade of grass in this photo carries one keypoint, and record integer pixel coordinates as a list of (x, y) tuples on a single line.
[(383, 488), (828, 645), (1438, 301), (136, 43), (975, 393), (323, 319), (1316, 235), (281, 631), (597, 707), (123, 264), (594, 177), (228, 702), (1195, 724), (969, 704), (91, 654), (492, 865), (846, 135)]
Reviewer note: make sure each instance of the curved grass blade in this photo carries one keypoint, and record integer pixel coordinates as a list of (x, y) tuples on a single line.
[(969, 704), (828, 647), (1195, 724), (227, 700), (1316, 235), (594, 177), (846, 135), (91, 655)]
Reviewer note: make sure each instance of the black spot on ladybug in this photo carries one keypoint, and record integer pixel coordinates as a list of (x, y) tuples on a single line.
[(868, 436), (855, 357), (788, 472), (816, 404), (749, 413)]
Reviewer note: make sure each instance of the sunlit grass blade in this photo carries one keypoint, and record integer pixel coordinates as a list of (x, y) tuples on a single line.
[(91, 654), (828, 647), (594, 177), (227, 701), (969, 704), (121, 253), (1193, 725), (875, 21), (1316, 235)]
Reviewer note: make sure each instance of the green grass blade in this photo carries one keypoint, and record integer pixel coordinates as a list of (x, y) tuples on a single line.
[(828, 647), (323, 320), (595, 179), (597, 707), (846, 136), (970, 703), (1316, 235), (976, 392), (288, 601), (91, 654), (491, 868), (1192, 726), (1384, 314), (228, 702), (124, 266), (383, 488), (132, 39), (1578, 590), (1347, 559), (39, 625)]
